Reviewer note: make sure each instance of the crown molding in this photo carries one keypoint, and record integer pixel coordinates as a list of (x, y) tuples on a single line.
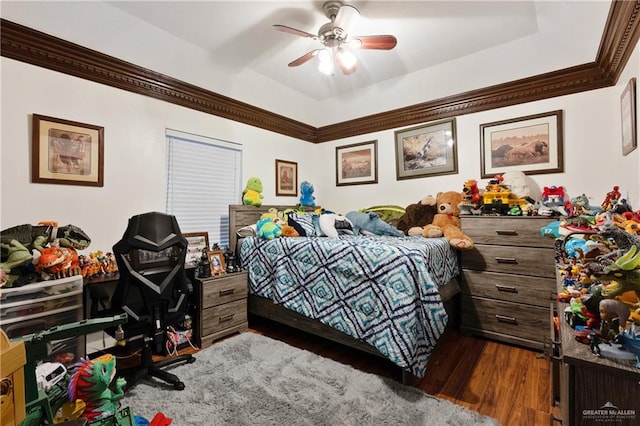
[(620, 36)]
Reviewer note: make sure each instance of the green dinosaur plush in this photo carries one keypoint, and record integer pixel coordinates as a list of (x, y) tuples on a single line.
[(89, 382), (251, 196)]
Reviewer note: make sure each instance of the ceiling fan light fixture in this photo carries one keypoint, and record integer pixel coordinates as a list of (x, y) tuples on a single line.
[(346, 58), (325, 61)]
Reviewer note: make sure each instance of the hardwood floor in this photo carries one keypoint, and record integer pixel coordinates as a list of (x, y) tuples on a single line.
[(508, 383)]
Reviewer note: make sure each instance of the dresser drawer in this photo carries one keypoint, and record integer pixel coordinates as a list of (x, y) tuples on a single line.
[(507, 231), (538, 262), (528, 322), (521, 289), (223, 316), (223, 289)]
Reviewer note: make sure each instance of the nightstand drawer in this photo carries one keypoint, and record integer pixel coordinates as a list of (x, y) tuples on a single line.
[(537, 262), (521, 289), (223, 289), (511, 231), (224, 316), (528, 322)]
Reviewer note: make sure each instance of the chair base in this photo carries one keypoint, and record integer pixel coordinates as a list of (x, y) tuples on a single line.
[(149, 368)]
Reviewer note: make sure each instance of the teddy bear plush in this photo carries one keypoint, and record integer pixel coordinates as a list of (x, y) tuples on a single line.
[(446, 222), (417, 215)]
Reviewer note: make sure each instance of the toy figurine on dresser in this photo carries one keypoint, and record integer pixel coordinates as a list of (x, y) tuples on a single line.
[(204, 266)]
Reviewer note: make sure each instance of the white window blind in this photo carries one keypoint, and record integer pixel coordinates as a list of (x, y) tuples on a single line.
[(203, 178)]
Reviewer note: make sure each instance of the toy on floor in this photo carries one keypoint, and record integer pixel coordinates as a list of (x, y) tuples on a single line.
[(89, 382)]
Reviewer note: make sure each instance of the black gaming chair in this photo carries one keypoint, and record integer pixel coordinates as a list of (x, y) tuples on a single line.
[(153, 290)]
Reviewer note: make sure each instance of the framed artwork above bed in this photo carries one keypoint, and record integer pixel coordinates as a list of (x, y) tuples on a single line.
[(286, 178), (427, 150), (357, 164)]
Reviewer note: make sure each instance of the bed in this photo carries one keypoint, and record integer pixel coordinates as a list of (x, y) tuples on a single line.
[(393, 297)]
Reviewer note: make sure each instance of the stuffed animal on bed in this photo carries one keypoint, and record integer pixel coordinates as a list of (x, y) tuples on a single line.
[(447, 221), (417, 215), (332, 224), (371, 223), (268, 229)]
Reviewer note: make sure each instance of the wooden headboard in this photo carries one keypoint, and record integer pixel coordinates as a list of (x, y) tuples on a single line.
[(241, 215)]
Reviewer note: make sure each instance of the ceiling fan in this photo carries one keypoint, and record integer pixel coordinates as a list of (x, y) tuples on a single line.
[(334, 35)]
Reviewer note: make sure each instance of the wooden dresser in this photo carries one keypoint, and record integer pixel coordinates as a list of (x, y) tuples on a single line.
[(508, 279), (221, 307)]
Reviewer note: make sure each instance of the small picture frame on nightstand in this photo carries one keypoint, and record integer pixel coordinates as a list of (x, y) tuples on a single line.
[(216, 261)]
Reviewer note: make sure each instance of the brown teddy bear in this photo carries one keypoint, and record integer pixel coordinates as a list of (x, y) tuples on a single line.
[(447, 221), (417, 215)]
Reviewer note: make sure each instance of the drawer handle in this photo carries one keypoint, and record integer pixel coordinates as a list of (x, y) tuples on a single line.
[(506, 232), (226, 318), (510, 260), (227, 292), (504, 318), (506, 289)]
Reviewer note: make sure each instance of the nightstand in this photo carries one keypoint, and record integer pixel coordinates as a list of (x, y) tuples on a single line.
[(221, 307), (508, 279)]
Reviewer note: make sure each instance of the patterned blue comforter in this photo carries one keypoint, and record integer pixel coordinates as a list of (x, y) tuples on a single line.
[(382, 290)]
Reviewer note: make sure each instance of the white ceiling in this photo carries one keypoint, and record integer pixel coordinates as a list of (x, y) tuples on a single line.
[(474, 43), (429, 33)]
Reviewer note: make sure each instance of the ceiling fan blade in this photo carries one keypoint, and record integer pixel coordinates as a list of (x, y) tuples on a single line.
[(304, 58), (294, 31), (378, 42)]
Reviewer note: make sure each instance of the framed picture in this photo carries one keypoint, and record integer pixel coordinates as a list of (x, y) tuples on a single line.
[(531, 144), (66, 152), (427, 150), (216, 260), (357, 164), (286, 178), (628, 110), (196, 242)]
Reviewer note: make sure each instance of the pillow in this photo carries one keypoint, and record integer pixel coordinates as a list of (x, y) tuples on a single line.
[(247, 231), (303, 222)]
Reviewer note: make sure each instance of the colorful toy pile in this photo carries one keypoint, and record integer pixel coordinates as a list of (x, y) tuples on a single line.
[(599, 261), (31, 253)]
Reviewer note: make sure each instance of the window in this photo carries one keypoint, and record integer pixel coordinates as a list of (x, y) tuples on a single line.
[(203, 178)]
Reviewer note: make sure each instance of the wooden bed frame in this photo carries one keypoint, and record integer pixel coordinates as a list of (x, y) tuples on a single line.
[(241, 215)]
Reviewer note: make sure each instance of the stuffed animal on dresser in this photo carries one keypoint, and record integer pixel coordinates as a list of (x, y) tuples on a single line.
[(447, 221)]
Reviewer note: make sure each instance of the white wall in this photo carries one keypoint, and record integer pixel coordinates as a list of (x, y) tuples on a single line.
[(135, 157), (135, 152)]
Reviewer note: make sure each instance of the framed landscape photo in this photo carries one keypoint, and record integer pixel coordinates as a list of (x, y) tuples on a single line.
[(66, 152), (216, 262), (196, 243), (286, 178), (427, 150), (531, 144), (628, 111), (357, 164)]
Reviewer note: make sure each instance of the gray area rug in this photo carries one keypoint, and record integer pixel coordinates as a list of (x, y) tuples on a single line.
[(250, 379)]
